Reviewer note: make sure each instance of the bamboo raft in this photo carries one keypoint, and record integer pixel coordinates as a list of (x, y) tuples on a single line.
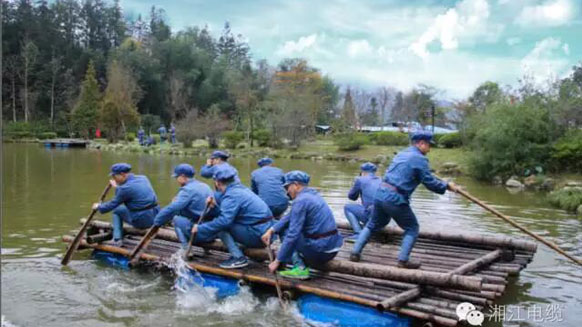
[(455, 268)]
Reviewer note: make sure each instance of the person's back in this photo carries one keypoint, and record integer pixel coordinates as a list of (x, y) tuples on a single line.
[(366, 190), (198, 193), (137, 193), (250, 209), (267, 183)]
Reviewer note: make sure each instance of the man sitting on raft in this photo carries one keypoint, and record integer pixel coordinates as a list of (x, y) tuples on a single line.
[(217, 158), (135, 201), (243, 217), (309, 229), (187, 206), (364, 187), (267, 183)]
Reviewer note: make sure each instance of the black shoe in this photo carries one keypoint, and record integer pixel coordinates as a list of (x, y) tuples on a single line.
[(355, 257), (234, 263), (410, 264)]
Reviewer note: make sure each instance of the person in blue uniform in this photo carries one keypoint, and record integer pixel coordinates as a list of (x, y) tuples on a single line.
[(141, 136), (187, 206), (408, 169), (364, 187), (173, 133), (217, 158), (308, 230), (162, 131), (243, 217), (135, 201), (267, 183)]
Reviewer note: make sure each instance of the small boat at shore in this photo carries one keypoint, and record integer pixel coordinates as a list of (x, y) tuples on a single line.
[(456, 268)]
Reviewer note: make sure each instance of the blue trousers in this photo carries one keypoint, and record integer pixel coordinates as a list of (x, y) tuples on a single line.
[(278, 210), (404, 218), (304, 254), (139, 219), (357, 215)]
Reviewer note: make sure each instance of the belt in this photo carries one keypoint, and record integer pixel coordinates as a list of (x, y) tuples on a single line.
[(151, 206), (390, 186), (262, 221), (322, 235)]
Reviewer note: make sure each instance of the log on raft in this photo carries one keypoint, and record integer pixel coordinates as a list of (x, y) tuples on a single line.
[(470, 283)]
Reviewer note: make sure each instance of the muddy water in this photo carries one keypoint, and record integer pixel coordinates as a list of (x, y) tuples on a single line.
[(45, 192)]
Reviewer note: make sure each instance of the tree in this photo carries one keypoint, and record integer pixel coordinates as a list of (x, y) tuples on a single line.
[(55, 67), (242, 88), (29, 56), (119, 110), (209, 126), (10, 70), (485, 95), (349, 111), (84, 115)]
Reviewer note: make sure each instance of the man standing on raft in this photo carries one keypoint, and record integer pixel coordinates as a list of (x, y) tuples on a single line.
[(392, 200)]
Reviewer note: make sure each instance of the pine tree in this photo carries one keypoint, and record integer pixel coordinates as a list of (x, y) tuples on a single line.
[(349, 111), (84, 115)]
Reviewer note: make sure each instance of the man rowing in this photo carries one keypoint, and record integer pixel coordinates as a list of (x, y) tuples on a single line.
[(243, 217), (267, 182), (188, 205), (364, 187), (135, 201), (308, 230), (392, 200)]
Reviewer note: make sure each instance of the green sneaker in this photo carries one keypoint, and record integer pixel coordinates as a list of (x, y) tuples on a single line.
[(295, 273)]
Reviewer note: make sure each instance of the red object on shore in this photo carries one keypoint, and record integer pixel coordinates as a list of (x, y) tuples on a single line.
[(98, 133)]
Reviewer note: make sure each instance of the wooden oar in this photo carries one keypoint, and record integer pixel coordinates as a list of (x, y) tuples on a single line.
[(549, 243), (193, 234), (75, 243), (277, 286), (146, 239)]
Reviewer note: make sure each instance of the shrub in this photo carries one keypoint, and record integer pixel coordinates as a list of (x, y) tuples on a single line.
[(567, 152), (566, 198), (157, 138), (263, 137), (350, 142), (389, 138), (130, 136), (232, 139), (18, 134), (451, 140), (47, 135)]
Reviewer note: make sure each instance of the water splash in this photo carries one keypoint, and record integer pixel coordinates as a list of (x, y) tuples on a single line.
[(188, 284), (6, 323)]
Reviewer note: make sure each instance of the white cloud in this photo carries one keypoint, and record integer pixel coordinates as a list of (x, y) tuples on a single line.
[(294, 47), (549, 13), (566, 49), (359, 47), (544, 61), (469, 19), (513, 41)]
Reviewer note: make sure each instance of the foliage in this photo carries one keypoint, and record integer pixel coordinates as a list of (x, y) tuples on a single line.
[(232, 139), (389, 138), (210, 126), (47, 135), (350, 141), (130, 136), (510, 138), (449, 140), (263, 137), (568, 198), (150, 123), (349, 111), (567, 152), (84, 115)]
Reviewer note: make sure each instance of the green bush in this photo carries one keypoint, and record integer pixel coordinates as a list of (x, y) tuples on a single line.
[(263, 137), (47, 135), (350, 142), (451, 140), (232, 139), (130, 137), (389, 138), (157, 138), (567, 152), (18, 134), (566, 198)]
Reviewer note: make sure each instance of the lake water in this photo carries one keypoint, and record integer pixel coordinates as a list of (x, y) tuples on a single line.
[(46, 191)]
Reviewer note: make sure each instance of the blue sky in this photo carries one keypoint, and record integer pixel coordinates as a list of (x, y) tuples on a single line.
[(453, 45)]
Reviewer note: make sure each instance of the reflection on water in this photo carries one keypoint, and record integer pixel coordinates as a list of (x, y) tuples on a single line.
[(46, 191)]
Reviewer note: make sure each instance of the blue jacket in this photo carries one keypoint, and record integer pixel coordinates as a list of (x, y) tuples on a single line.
[(140, 133), (207, 171), (365, 187), (238, 205), (310, 215), (162, 130), (267, 183), (189, 202), (408, 169), (136, 193)]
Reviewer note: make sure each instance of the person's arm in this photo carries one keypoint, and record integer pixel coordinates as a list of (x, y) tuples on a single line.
[(355, 191), (254, 187), (229, 208), (117, 200), (282, 223), (428, 180), (207, 171), (180, 202), (296, 222)]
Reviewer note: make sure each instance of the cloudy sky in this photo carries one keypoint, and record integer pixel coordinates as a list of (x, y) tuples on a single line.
[(453, 45)]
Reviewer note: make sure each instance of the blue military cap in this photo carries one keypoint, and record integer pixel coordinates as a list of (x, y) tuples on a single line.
[(224, 172), (421, 135), (184, 169), (119, 168), (296, 176), (264, 161), (219, 154), (369, 167)]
